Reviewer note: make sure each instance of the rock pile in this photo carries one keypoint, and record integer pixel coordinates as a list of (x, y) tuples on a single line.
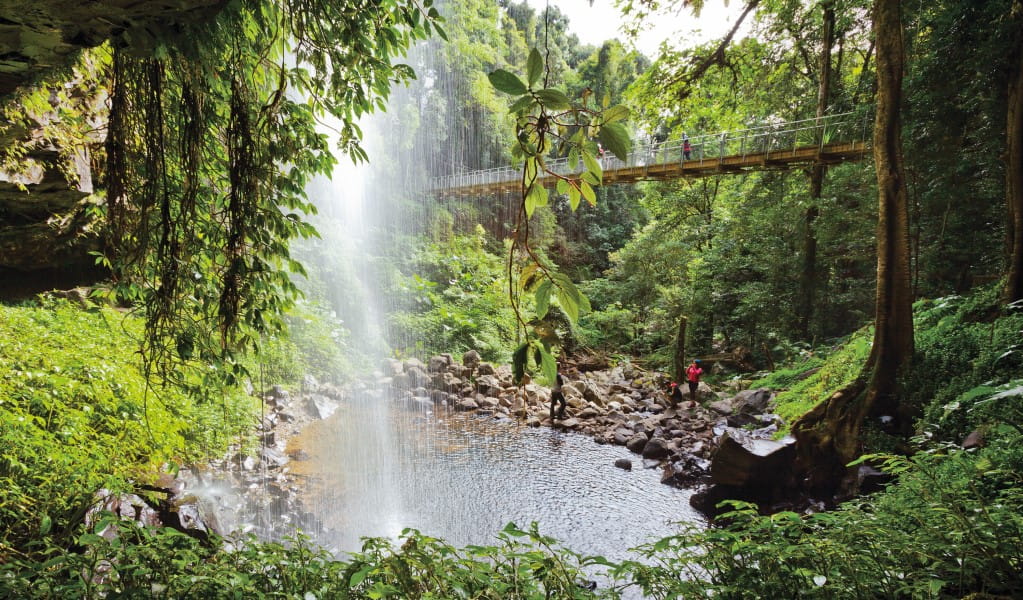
[(623, 405)]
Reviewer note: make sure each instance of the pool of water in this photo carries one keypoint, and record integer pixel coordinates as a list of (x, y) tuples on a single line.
[(380, 465)]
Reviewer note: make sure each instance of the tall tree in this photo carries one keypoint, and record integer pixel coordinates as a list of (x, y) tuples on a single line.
[(808, 276), (1014, 158), (828, 437)]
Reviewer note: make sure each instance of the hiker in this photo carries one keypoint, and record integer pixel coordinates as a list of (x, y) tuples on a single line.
[(675, 394), (558, 396), (693, 373), (687, 149)]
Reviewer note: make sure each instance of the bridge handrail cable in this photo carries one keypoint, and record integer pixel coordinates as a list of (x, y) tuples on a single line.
[(767, 139)]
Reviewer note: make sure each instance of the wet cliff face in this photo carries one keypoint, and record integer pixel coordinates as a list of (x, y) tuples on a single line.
[(44, 226), (36, 35)]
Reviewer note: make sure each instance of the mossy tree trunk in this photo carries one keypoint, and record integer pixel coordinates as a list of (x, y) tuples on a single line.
[(828, 437), (1014, 160), (680, 350)]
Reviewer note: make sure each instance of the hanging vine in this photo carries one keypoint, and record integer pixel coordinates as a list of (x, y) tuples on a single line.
[(549, 124), (211, 140)]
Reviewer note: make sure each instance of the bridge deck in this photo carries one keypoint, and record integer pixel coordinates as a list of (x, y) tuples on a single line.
[(687, 169)]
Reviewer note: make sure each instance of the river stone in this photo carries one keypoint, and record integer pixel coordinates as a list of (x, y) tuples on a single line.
[(471, 359), (487, 369), (723, 407), (418, 377), (588, 413), (391, 367), (752, 402), (636, 443), (624, 463), (534, 421), (489, 402), (319, 407), (273, 457), (467, 404), (592, 394), (414, 363), (439, 396), (655, 448), (489, 385), (575, 402), (569, 423), (438, 363)]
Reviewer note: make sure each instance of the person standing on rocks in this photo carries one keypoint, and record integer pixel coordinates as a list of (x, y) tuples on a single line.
[(693, 373), (558, 396)]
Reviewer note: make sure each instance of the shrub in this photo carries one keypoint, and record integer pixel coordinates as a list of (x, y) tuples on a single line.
[(78, 414)]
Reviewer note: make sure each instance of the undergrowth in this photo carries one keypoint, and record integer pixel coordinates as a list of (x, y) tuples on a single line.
[(77, 415)]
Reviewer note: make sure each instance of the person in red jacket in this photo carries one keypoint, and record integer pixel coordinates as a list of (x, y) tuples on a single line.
[(693, 373)]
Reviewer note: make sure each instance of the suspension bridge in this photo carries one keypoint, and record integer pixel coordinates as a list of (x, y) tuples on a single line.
[(827, 140)]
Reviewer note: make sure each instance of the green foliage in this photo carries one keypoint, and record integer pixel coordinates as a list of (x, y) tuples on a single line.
[(949, 527), (839, 369), (457, 301), (163, 563), (78, 414), (966, 349), (785, 377)]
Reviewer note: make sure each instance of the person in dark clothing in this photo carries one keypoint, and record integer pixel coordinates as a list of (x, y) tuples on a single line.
[(558, 396), (675, 394), (687, 148)]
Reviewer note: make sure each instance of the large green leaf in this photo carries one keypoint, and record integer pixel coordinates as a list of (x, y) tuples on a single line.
[(553, 99), (548, 365), (616, 113), (507, 82), (534, 67), (593, 165), (522, 105), (616, 139), (543, 298)]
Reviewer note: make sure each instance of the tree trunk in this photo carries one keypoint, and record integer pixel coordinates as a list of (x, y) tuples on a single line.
[(808, 276), (680, 350), (828, 437), (1014, 164)]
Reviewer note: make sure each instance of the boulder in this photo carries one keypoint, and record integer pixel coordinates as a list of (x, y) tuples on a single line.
[(489, 385), (752, 402), (471, 359), (466, 404), (487, 369), (624, 463), (592, 394), (438, 363), (637, 442), (656, 448), (751, 462), (413, 363), (588, 413), (319, 407), (401, 381), (723, 407), (391, 367), (417, 376), (975, 439), (272, 457)]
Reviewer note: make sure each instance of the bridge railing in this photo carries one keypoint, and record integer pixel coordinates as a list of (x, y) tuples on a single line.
[(768, 140)]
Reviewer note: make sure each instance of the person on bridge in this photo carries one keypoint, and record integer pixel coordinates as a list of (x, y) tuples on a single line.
[(558, 396), (693, 377), (686, 148)]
